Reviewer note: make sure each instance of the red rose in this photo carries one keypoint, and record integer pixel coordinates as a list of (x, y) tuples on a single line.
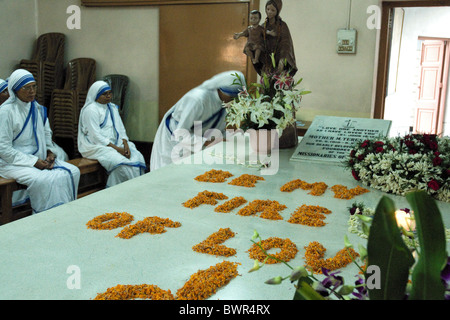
[(433, 145), (365, 143), (437, 161), (434, 185), (355, 175), (379, 149)]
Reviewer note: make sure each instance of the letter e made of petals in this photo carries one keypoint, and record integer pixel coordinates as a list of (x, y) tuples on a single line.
[(74, 20), (74, 280)]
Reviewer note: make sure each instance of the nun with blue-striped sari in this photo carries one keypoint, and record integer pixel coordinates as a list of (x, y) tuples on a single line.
[(26, 148), (193, 122), (4, 94), (102, 136)]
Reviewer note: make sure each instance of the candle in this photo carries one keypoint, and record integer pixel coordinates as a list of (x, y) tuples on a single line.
[(405, 220)]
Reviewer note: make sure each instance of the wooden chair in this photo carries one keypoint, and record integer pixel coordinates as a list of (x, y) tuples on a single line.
[(47, 65), (93, 178), (119, 86), (9, 213), (66, 103)]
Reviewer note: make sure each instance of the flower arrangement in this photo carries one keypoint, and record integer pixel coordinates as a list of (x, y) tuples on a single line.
[(270, 104), (419, 271), (402, 164)]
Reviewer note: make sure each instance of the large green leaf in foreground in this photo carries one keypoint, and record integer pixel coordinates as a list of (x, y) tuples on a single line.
[(426, 277), (387, 250)]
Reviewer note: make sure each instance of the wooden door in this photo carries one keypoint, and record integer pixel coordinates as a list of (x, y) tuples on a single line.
[(428, 116), (196, 42)]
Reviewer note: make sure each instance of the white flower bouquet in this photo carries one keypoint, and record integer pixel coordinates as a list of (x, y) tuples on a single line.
[(402, 164), (271, 105)]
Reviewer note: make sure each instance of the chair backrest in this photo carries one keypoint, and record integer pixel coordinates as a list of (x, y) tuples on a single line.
[(80, 74), (50, 47), (119, 85)]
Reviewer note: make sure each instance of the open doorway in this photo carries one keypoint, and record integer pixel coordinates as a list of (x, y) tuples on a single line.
[(416, 96), (413, 70)]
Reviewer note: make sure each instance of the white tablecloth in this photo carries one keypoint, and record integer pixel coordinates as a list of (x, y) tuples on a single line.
[(37, 252)]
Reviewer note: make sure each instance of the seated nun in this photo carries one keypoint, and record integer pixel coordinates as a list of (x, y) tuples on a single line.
[(27, 150), (4, 94), (102, 136), (195, 116)]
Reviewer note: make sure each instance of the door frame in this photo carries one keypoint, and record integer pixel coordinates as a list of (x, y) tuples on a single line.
[(384, 49)]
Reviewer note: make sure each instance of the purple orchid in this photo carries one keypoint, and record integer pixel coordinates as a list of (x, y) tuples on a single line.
[(361, 292)]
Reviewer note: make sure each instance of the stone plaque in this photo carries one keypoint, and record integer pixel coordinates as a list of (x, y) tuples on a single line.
[(330, 139)]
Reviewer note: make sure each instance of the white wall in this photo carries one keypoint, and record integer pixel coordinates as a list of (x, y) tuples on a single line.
[(122, 40), (341, 84), (18, 25)]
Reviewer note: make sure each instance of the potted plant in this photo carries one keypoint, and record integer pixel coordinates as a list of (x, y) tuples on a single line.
[(269, 105)]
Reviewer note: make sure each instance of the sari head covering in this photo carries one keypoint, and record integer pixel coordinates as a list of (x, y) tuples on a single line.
[(229, 82), (105, 87), (3, 85), (17, 80), (95, 91)]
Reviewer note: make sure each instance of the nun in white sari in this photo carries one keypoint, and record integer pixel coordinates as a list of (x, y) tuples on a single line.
[(102, 136), (198, 111), (4, 94), (26, 148)]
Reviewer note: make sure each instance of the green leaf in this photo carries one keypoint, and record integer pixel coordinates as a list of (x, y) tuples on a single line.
[(386, 249), (272, 56), (266, 81), (426, 277), (299, 81), (305, 291)]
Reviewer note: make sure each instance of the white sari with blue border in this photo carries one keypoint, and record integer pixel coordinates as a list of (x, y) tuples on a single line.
[(99, 125), (25, 137)]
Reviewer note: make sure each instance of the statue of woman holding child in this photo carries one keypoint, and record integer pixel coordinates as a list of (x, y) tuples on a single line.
[(271, 51), (277, 43)]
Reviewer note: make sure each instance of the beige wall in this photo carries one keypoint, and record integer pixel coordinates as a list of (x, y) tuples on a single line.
[(341, 84), (18, 25), (122, 41), (125, 40)]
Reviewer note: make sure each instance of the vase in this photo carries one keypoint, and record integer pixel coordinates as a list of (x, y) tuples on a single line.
[(263, 140), (289, 137)]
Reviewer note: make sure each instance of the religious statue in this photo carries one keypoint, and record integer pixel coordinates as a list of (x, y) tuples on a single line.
[(277, 53), (271, 50), (255, 35)]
